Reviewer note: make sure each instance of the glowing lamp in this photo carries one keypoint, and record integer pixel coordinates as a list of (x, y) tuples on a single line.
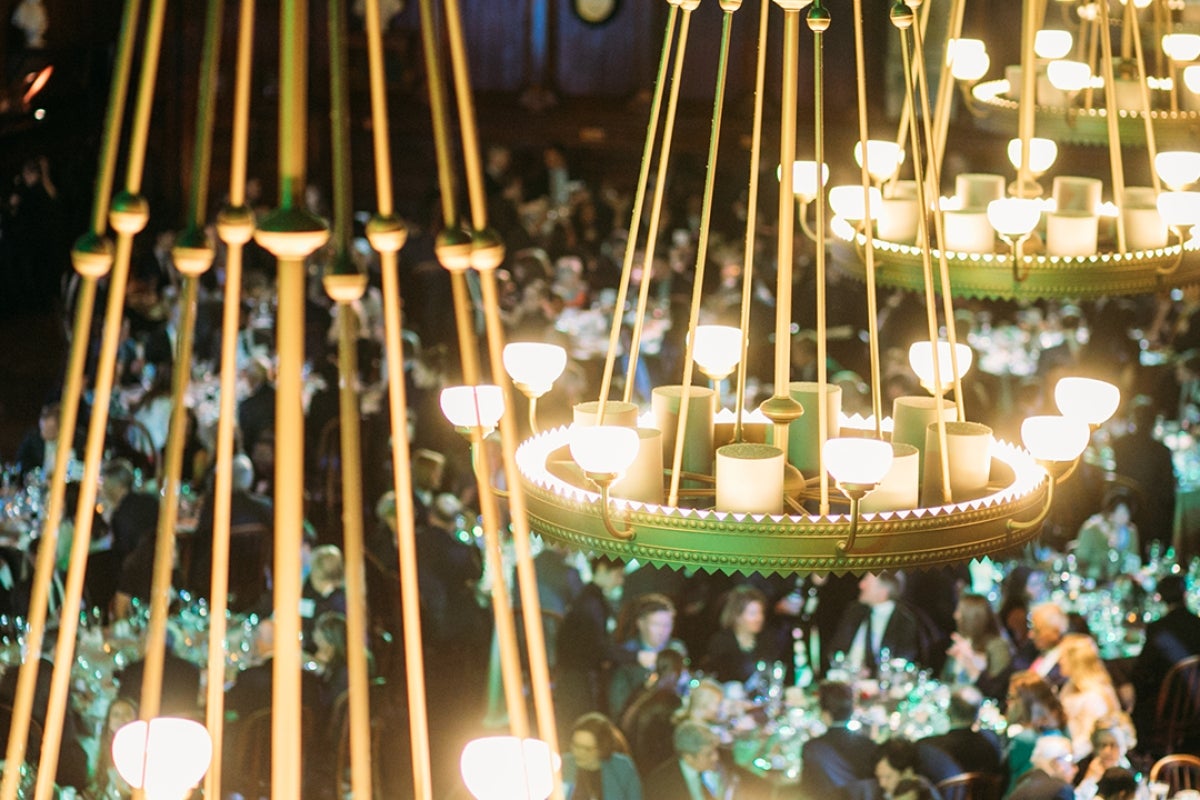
[(1177, 168), (166, 756), (603, 449), (470, 407), (920, 358), (804, 179), (1087, 399), (503, 767), (847, 202), (857, 461), (534, 366), (1014, 217), (883, 158), (1069, 76), (717, 349), (1179, 209), (1051, 44), (1191, 78), (1181, 46), (1051, 437), (1042, 153), (968, 59)]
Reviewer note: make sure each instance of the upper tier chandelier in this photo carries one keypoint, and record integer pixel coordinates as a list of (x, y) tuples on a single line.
[(1008, 236), (925, 488)]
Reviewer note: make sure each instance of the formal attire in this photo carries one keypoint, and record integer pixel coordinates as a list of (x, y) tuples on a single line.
[(585, 652), (618, 779), (957, 751), (1169, 639), (866, 631), (835, 760), (725, 659), (628, 675), (1036, 784)]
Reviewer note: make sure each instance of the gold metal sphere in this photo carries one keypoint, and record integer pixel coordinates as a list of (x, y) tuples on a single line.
[(731, 5), (818, 19), (387, 234), (345, 287), (128, 213), (901, 15), (781, 410), (192, 253), (487, 249), (235, 224), (453, 249), (92, 255), (291, 233)]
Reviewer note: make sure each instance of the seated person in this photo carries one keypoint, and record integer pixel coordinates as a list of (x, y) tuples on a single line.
[(1117, 783), (649, 718), (592, 767), (634, 658), (1112, 739), (734, 651), (897, 761), (877, 622), (325, 590), (1033, 712), (840, 756), (962, 748), (1051, 774)]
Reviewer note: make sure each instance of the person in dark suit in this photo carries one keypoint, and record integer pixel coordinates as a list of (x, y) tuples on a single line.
[(256, 412), (40, 446), (840, 756), (585, 646), (1147, 462), (1048, 624), (734, 652), (697, 772), (1171, 638), (180, 685), (134, 514), (962, 748), (1052, 772), (876, 623)]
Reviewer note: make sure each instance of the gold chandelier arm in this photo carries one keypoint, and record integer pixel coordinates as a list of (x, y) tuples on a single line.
[(436, 81), (1017, 526), (710, 175), (1144, 95), (118, 94), (906, 111), (1111, 117), (480, 469), (1171, 267), (809, 231), (945, 91), (1027, 110), (625, 533), (868, 247), (468, 130), (846, 545), (660, 185), (635, 221), (760, 73), (818, 22)]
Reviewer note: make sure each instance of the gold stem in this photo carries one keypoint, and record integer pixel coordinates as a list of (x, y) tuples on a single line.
[(466, 116), (1144, 93), (436, 81), (117, 94), (1114, 131), (241, 106), (941, 115), (787, 211), (1026, 112), (822, 344), (205, 114)]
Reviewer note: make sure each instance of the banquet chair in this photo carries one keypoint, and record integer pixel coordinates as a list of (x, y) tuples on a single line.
[(1178, 708), (970, 786), (1179, 771)]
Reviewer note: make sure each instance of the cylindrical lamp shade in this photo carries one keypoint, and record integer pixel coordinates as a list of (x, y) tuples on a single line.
[(970, 454), (473, 406), (166, 756), (1071, 234), (1050, 437), (900, 488), (536, 365), (604, 449), (616, 412), (644, 479), (1072, 193), (750, 479), (897, 219), (804, 439), (1093, 401), (504, 767), (967, 230), (698, 438), (911, 416), (976, 189)]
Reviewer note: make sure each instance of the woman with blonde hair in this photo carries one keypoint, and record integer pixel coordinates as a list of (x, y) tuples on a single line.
[(1088, 695)]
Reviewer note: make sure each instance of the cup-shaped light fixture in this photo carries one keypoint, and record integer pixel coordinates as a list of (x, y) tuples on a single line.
[(470, 407), (1014, 217), (1088, 399), (603, 449), (1179, 210), (848, 202), (1051, 437), (883, 158), (1052, 43), (1042, 154), (804, 179), (920, 358), (857, 465), (1191, 78), (534, 366), (1069, 76), (1177, 168), (1181, 46), (717, 349), (504, 767), (166, 756), (968, 59)]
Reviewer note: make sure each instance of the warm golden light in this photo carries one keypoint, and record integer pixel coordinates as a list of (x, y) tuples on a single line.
[(1093, 401), (1051, 44), (1177, 168), (884, 158), (717, 349), (1051, 437), (167, 756), (1014, 217), (1191, 78), (1069, 76), (920, 358), (847, 202), (858, 461), (473, 406), (534, 366), (1179, 209), (505, 767), (1042, 154), (968, 59), (604, 449), (1181, 46), (804, 179)]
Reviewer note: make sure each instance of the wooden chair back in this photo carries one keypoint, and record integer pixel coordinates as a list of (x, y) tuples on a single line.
[(970, 786), (1179, 771)]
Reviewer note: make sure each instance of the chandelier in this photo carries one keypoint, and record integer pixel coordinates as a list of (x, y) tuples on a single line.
[(1059, 241)]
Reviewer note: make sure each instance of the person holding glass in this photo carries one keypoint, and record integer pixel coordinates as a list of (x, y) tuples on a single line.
[(1112, 739), (979, 655)]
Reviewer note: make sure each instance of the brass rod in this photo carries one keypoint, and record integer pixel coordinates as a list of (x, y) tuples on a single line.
[(205, 114), (468, 130), (48, 543), (945, 94), (635, 221), (144, 104), (379, 117), (906, 110), (710, 177), (111, 137), (468, 343), (241, 107), (357, 623), (860, 72), (660, 183), (436, 81), (292, 113), (1144, 94), (820, 200), (1027, 109), (760, 76), (339, 129), (1111, 117)]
